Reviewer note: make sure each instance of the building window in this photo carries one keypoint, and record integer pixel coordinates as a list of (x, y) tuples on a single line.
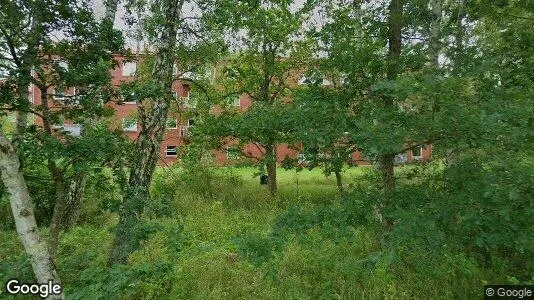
[(400, 158), (417, 152), (73, 129), (63, 65), (129, 98), (302, 80), (236, 102), (187, 102), (129, 68), (171, 151), (185, 130), (172, 124), (233, 153), (129, 124), (60, 93)]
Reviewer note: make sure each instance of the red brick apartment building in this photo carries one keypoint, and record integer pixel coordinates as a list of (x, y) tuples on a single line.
[(178, 125)]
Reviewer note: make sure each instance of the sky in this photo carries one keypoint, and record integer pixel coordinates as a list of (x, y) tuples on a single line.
[(120, 23), (98, 9)]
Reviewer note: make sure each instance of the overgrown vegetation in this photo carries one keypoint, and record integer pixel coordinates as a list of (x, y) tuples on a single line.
[(219, 234), (339, 83)]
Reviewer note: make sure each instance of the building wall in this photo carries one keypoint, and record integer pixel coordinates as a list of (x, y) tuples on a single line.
[(173, 137)]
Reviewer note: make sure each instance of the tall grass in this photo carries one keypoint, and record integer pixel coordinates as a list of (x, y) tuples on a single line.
[(220, 235)]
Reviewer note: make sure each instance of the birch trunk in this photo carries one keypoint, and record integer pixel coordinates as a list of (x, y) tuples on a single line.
[(74, 200), (153, 118), (22, 207), (357, 9)]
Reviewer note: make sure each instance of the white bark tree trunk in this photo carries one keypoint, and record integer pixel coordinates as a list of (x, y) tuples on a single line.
[(153, 118), (22, 207)]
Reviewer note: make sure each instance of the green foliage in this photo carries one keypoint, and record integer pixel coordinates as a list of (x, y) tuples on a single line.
[(304, 245), (449, 226)]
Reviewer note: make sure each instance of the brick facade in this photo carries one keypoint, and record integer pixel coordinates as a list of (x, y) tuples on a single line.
[(178, 125)]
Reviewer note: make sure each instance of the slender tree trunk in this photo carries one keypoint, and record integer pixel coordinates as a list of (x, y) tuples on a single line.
[(459, 35), (357, 8), (22, 115), (153, 119), (74, 200), (385, 161), (76, 187), (394, 39), (22, 207), (435, 32), (59, 206), (452, 155), (22, 121), (270, 154), (387, 169), (58, 177), (339, 182)]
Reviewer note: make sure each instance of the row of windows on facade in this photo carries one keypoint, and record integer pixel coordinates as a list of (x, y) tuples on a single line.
[(129, 69), (231, 152), (130, 124), (235, 153), (61, 94)]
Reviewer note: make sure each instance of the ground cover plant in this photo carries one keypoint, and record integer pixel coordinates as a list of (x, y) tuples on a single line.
[(236, 241)]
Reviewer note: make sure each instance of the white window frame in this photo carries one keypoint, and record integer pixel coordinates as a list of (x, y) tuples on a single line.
[(63, 96), (77, 129), (130, 102), (417, 157), (301, 80), (132, 128), (186, 101), (236, 102), (189, 120), (129, 71), (167, 148)]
